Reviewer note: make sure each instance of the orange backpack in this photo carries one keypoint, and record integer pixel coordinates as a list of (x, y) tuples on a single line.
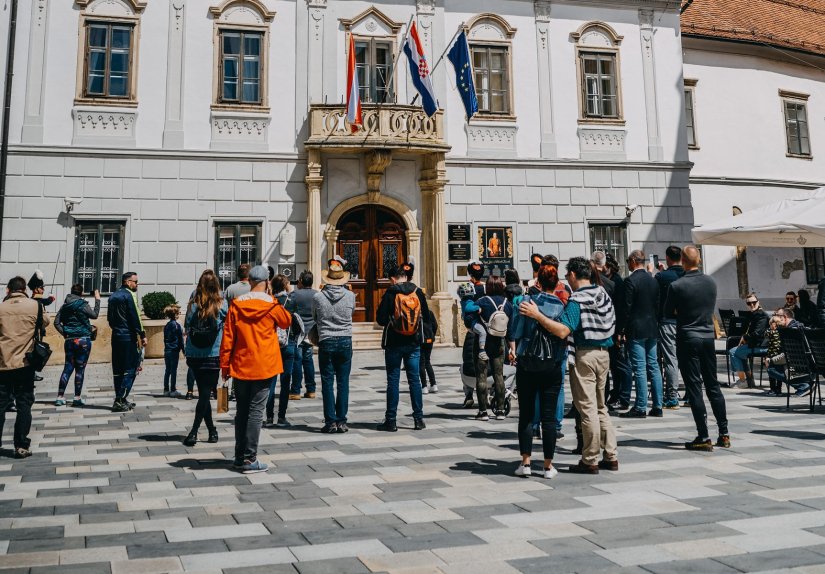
[(406, 316)]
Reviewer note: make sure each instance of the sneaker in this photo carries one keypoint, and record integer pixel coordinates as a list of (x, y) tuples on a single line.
[(37, 377), (11, 408), (60, 402), (524, 470), (189, 395), (655, 413), (482, 416), (559, 435), (743, 384), (550, 473), (165, 393), (78, 403), (634, 413), (22, 453), (483, 356), (329, 428), (672, 405), (425, 391), (536, 432), (268, 422), (309, 395), (433, 388), (700, 444), (771, 393), (469, 403), (581, 468), (419, 424), (213, 436), (387, 426), (120, 406), (283, 423), (723, 441), (618, 405), (251, 467), (609, 464), (342, 428), (175, 395), (803, 391), (500, 415), (191, 439), (294, 397)]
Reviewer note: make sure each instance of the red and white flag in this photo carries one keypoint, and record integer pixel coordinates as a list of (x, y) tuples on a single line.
[(353, 91)]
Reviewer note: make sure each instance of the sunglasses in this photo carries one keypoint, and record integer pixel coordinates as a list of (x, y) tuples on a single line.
[(752, 302)]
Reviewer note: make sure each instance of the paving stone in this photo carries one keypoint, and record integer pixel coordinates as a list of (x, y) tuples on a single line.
[(787, 558), (691, 567), (335, 566)]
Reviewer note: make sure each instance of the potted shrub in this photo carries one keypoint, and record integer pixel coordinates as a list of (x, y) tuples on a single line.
[(153, 305)]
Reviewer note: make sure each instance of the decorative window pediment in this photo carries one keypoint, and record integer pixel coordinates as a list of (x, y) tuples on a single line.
[(597, 35), (371, 22), (249, 12), (112, 8), (491, 27)]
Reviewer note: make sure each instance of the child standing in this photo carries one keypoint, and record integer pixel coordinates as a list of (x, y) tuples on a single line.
[(430, 327), (172, 348)]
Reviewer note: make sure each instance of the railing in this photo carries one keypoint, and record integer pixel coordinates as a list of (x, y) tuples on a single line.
[(385, 126)]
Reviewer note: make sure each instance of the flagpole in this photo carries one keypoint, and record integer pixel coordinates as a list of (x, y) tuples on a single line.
[(398, 57), (444, 53)]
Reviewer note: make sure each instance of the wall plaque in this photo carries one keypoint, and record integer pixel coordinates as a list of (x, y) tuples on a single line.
[(495, 248), (459, 233), (459, 251)]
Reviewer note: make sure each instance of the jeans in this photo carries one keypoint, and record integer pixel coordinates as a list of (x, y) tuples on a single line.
[(125, 361), (426, 367), (335, 363), (170, 375), (77, 355), (393, 357), (559, 403), (779, 375), (542, 388), (646, 366), (206, 373), (739, 357), (667, 345), (17, 386), (287, 356), (496, 363), (250, 397), (190, 380), (621, 374), (697, 363), (303, 362)]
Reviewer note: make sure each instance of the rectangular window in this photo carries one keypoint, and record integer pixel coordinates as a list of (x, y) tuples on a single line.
[(108, 60), (241, 54), (99, 255), (236, 243), (599, 85), (373, 64), (690, 121), (796, 128), (814, 264), (610, 238), (491, 68)]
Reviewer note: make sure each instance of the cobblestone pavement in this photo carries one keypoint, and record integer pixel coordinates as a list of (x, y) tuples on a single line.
[(120, 493)]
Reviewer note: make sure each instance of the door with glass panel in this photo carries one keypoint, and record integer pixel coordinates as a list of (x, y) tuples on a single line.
[(235, 244), (372, 239)]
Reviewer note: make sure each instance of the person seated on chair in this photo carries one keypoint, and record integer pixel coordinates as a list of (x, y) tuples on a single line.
[(751, 343), (775, 359)]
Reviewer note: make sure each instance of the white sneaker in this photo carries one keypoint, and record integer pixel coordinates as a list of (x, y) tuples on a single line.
[(524, 471), (425, 391), (550, 472), (433, 388)]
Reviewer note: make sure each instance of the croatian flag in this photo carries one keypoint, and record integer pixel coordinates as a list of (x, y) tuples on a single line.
[(353, 92), (420, 71)]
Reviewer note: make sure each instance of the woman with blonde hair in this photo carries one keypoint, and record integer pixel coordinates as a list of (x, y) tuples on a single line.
[(204, 326)]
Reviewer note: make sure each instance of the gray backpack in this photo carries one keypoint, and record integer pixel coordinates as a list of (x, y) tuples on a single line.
[(497, 325)]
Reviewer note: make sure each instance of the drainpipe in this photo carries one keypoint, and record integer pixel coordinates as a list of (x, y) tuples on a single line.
[(4, 147)]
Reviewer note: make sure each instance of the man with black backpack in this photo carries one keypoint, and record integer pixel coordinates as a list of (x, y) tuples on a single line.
[(401, 312)]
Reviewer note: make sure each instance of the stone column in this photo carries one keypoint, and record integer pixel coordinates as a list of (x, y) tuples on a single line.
[(432, 183), (314, 180), (36, 73), (414, 250), (654, 143), (331, 235), (548, 137), (173, 126)]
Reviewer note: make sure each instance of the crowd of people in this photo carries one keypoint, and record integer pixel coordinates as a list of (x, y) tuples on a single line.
[(605, 330)]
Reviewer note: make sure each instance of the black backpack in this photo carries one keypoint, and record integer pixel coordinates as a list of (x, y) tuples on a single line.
[(203, 332)]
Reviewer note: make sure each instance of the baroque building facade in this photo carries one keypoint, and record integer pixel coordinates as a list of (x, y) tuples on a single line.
[(168, 136)]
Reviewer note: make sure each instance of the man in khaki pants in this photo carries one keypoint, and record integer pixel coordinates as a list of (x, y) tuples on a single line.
[(590, 317)]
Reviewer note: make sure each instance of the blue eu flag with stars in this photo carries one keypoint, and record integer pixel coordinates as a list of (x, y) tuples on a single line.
[(459, 55)]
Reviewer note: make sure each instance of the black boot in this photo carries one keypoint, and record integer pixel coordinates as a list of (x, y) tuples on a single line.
[(191, 439), (213, 435)]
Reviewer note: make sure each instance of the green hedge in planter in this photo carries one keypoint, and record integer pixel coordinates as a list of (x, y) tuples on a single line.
[(154, 303)]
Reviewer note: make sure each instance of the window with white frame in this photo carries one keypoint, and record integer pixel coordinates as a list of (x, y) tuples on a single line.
[(98, 255), (490, 40), (235, 244), (610, 238), (597, 53), (795, 107), (373, 63), (690, 113)]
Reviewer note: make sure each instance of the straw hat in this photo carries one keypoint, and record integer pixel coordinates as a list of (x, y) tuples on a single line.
[(335, 274)]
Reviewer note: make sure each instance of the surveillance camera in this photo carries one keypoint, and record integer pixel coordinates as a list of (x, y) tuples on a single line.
[(630, 209), (71, 202)]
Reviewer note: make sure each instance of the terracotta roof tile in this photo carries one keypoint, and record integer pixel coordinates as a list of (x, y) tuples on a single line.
[(794, 24)]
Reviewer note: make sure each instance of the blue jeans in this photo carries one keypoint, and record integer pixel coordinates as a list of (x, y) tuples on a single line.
[(125, 362), (170, 374), (645, 365), (303, 365), (739, 357), (287, 355), (335, 363), (77, 355), (779, 375), (410, 356)]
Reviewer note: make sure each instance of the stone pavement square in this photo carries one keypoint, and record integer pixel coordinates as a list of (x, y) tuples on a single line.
[(120, 494)]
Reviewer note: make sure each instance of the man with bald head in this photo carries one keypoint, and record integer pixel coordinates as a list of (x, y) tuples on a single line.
[(691, 300)]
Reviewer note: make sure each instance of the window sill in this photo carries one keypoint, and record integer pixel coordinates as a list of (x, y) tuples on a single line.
[(107, 102), (486, 117), (245, 108), (602, 121), (808, 157), (694, 147)]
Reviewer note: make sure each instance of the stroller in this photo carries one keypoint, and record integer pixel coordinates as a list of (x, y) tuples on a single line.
[(468, 377)]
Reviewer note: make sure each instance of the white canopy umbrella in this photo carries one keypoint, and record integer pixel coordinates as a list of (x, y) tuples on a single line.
[(796, 222)]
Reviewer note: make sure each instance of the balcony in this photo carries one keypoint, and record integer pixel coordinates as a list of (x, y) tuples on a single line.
[(386, 126)]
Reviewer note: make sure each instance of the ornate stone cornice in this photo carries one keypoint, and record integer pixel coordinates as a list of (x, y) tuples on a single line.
[(425, 6), (542, 10)]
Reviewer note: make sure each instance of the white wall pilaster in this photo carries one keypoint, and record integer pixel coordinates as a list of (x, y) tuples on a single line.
[(173, 136), (315, 53), (654, 142), (36, 73), (548, 137)]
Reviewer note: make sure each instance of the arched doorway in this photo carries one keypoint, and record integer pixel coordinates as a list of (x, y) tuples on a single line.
[(371, 238)]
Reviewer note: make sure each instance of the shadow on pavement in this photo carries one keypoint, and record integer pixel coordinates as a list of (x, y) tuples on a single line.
[(799, 435)]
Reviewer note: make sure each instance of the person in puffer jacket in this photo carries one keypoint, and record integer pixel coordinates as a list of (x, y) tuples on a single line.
[(73, 321)]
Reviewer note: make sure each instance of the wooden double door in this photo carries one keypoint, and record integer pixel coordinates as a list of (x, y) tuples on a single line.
[(372, 239)]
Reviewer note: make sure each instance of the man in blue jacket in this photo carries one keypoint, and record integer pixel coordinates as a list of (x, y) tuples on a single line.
[(127, 331)]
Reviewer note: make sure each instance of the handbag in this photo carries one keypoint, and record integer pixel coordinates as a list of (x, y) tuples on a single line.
[(41, 351), (223, 399), (539, 356), (312, 336)]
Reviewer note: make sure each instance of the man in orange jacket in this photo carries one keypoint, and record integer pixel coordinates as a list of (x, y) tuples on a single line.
[(250, 354)]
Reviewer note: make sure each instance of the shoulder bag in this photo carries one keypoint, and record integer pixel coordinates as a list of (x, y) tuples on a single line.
[(40, 353)]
